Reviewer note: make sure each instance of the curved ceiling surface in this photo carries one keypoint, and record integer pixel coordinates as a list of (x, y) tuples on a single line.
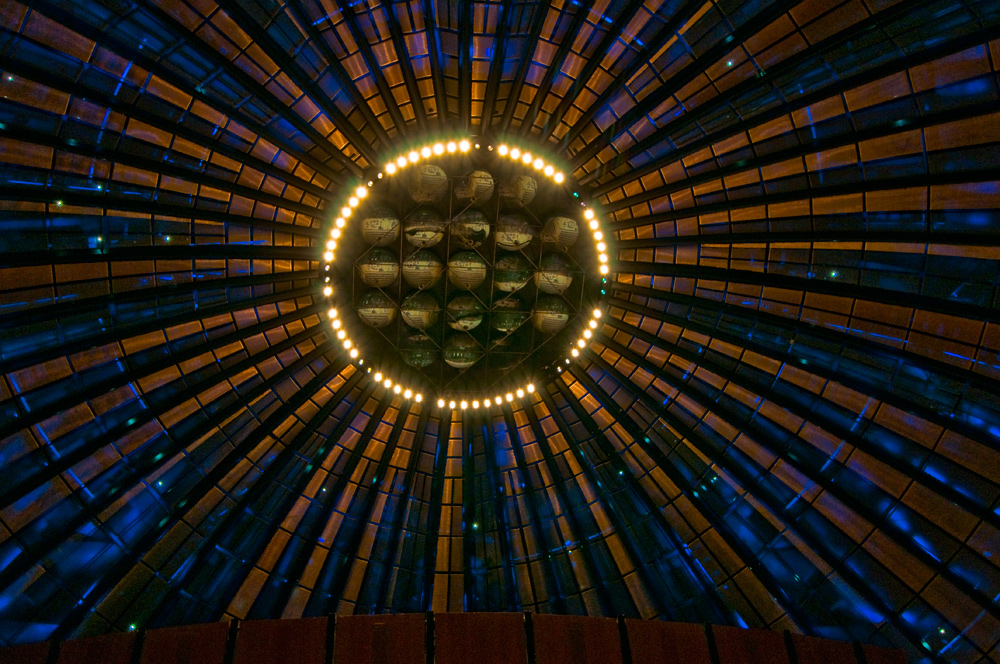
[(788, 417)]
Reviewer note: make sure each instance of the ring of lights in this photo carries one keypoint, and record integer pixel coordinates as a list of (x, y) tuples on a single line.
[(356, 196)]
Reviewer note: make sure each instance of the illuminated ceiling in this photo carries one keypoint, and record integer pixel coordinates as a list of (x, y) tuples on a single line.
[(788, 417)]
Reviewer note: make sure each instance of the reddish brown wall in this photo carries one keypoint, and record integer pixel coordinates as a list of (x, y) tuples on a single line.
[(455, 638)]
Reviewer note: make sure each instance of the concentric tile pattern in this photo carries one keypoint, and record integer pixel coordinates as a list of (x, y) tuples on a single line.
[(788, 419)]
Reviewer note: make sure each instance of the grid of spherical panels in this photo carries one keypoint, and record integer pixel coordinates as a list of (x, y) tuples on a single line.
[(396, 166)]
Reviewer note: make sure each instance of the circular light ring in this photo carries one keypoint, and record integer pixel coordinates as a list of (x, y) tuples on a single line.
[(411, 157)]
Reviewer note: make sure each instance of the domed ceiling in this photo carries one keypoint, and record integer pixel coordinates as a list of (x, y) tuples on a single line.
[(787, 418)]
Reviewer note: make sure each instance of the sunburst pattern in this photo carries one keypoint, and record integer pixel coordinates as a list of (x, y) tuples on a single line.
[(788, 416)]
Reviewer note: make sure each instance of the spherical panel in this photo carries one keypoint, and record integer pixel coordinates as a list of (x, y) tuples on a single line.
[(518, 191), (376, 309), (424, 228), (427, 183), (553, 274), (420, 310), (475, 188), (380, 226), (511, 272), (422, 269), (514, 232), (465, 313), (561, 231), (508, 314), (467, 270), (461, 351), (418, 350), (378, 268), (550, 314), (470, 228)]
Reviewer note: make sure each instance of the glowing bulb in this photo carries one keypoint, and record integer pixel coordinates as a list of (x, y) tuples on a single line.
[(581, 343), (463, 145), (587, 334), (378, 376), (487, 403), (559, 177), (418, 398), (339, 223), (498, 400), (451, 147), (574, 353), (328, 256), (531, 387), (597, 313), (425, 152), (332, 313), (335, 233), (440, 403), (341, 334), (451, 404), (549, 170), (439, 148), (604, 269), (354, 353), (347, 344), (588, 214), (331, 245), (515, 153), (520, 393), (387, 383), (361, 191), (407, 394), (593, 324), (594, 225), (526, 158), (413, 157), (353, 201), (390, 168), (598, 235), (401, 162), (502, 150), (397, 388), (603, 258), (538, 164), (328, 291), (464, 405), (510, 397), (601, 246), (475, 404), (345, 212), (336, 324)]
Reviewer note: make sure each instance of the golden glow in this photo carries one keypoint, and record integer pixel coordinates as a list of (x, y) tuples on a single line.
[(574, 353), (604, 269), (328, 256), (451, 147), (418, 398), (531, 387), (347, 344), (332, 313), (597, 313), (354, 353), (463, 145), (475, 404), (464, 405), (520, 393), (526, 158), (390, 168), (328, 291), (510, 397), (401, 162), (331, 245), (549, 170), (598, 235), (335, 233), (387, 383), (413, 157), (407, 394), (487, 403), (425, 152), (515, 153), (378, 377), (353, 201), (559, 177), (361, 191), (588, 214), (439, 148), (440, 403), (593, 224), (603, 258), (582, 343), (602, 247), (336, 324), (345, 212), (587, 334), (340, 223), (502, 150), (341, 334), (397, 388), (593, 324), (452, 404), (538, 164)]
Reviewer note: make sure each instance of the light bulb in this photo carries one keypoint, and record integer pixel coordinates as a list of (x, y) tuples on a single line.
[(463, 145), (361, 191), (336, 233), (603, 258), (353, 201), (587, 334), (538, 164), (451, 147), (354, 353), (487, 403), (345, 212), (464, 405), (515, 153), (588, 214), (401, 161), (601, 246), (559, 177), (594, 225), (502, 150), (574, 353), (549, 170), (526, 158), (510, 397), (397, 388), (328, 256), (407, 394), (341, 334), (593, 324), (451, 404), (347, 344), (425, 152), (520, 393), (340, 223), (413, 157), (387, 383), (440, 403), (531, 387), (390, 168), (328, 291), (336, 324), (418, 398), (378, 377), (604, 269), (598, 235), (597, 313), (439, 148), (475, 404), (581, 343), (332, 313)]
